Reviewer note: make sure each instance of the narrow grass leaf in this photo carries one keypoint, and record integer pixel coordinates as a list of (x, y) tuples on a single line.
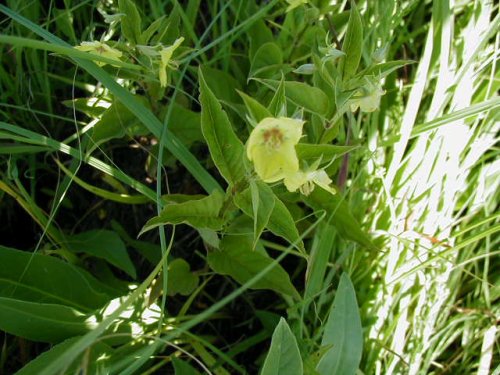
[(283, 357), (95, 359)]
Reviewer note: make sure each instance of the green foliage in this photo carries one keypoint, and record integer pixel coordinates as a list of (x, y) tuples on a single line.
[(283, 356), (392, 180), (342, 333)]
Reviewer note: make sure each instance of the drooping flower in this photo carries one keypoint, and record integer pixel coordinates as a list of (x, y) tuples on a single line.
[(368, 97), (306, 181), (271, 147), (100, 49), (165, 60)]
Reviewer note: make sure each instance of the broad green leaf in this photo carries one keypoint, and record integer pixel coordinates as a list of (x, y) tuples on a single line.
[(307, 151), (41, 321), (352, 45), (43, 278), (131, 21), (280, 222), (94, 362), (150, 251), (199, 213), (310, 98), (267, 61), (226, 149), (237, 259), (343, 333), (180, 278), (256, 110), (185, 124), (258, 33), (263, 200), (183, 368), (116, 122), (104, 244), (223, 85), (283, 357), (342, 219)]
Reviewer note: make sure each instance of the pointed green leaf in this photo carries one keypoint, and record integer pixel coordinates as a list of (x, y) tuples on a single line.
[(41, 321), (311, 98), (277, 106), (226, 149), (199, 213), (237, 259), (352, 45), (131, 21), (283, 357), (280, 221), (343, 333), (267, 60), (256, 110), (263, 201), (104, 244), (42, 278)]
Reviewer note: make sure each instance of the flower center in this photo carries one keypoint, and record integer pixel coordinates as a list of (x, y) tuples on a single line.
[(273, 137)]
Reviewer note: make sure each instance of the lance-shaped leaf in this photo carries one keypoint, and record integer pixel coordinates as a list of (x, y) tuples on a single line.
[(131, 21), (283, 357), (43, 278), (41, 321), (199, 213), (310, 98), (343, 333), (263, 201), (280, 221), (226, 150), (353, 44)]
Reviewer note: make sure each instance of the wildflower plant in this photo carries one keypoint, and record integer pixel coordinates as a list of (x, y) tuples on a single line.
[(249, 167)]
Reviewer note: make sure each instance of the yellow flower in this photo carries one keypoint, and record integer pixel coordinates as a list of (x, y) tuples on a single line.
[(100, 49), (271, 147), (166, 55), (305, 181), (368, 98), (294, 4)]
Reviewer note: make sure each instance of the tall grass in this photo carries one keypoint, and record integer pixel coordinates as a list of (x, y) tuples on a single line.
[(412, 233)]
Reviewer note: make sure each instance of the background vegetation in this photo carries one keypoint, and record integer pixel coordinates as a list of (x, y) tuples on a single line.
[(395, 273)]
